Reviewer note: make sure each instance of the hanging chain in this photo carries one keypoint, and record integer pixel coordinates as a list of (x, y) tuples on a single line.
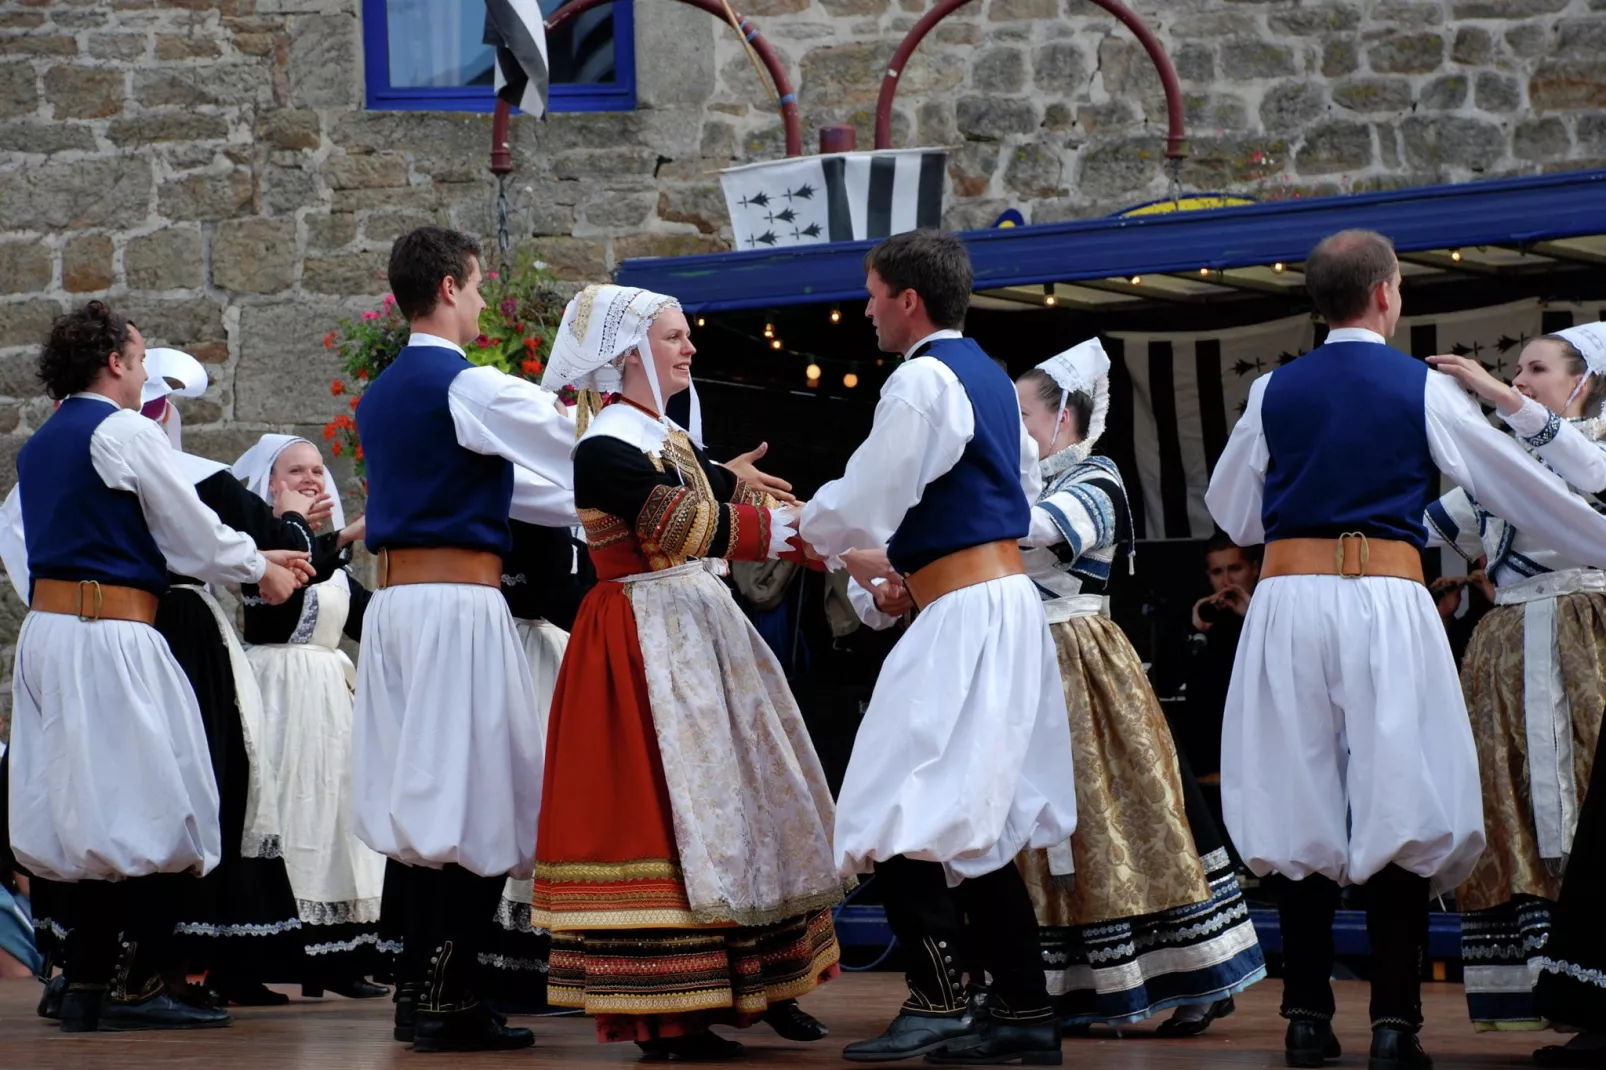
[(504, 227), (1174, 181)]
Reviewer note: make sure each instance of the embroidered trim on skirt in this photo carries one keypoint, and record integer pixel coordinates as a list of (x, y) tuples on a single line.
[(1572, 971), (1501, 949)]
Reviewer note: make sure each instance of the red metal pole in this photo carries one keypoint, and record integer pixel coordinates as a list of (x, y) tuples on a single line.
[(501, 152), (1176, 136), (790, 118)]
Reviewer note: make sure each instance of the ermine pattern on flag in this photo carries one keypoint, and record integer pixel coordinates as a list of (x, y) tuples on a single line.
[(849, 196)]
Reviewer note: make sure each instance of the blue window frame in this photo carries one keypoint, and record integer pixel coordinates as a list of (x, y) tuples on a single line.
[(426, 55)]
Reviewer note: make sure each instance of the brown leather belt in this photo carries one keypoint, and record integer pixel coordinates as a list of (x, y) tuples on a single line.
[(439, 564), (91, 600), (964, 568), (1351, 555)]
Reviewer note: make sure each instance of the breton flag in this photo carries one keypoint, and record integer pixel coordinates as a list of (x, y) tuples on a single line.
[(848, 196), (515, 29)]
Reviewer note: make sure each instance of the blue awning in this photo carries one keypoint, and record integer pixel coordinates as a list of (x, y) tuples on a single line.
[(1515, 212)]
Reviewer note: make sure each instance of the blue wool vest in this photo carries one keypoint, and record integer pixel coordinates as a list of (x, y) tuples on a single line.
[(1347, 434), (425, 490), (980, 499), (75, 526)]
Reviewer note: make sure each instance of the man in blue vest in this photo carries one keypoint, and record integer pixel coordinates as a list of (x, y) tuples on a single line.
[(110, 779), (1346, 756), (964, 756), (447, 746)]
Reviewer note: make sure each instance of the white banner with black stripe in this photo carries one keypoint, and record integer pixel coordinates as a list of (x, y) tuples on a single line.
[(1174, 397), (516, 30), (849, 196)]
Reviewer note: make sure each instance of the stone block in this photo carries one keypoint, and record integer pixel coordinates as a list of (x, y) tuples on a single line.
[(702, 206), (769, 8), (188, 46), (1371, 96), (289, 130), (167, 126), (1540, 140), (1290, 106), (120, 47), (1215, 163), (619, 211), (168, 259), (19, 90), (1057, 116), (1213, 111), (936, 124), (1109, 117), (1339, 58), (1059, 68), (1250, 57), (1011, 10), (84, 92), (283, 373), (971, 168), (347, 273), (639, 246), (1452, 141), (993, 118), (220, 84), (1591, 130), (39, 45), (178, 322), (1114, 170), (386, 227), (86, 264), (257, 44), (381, 171), (1504, 9), (25, 267), (575, 259), (1407, 53), (718, 140), (254, 255), (285, 189), (198, 412), (950, 32), (1412, 14), (21, 20), (841, 8), (1316, 19), (1218, 24), (112, 192), (1333, 147), (206, 197), (19, 373), (999, 70), (591, 164), (325, 62), (1447, 93), (1498, 92), (1195, 62), (45, 138), (1126, 70), (1581, 38), (10, 417), (329, 232), (1528, 40), (1474, 46), (422, 197)]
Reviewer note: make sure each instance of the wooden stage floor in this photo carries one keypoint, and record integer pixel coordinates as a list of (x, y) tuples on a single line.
[(344, 1035)]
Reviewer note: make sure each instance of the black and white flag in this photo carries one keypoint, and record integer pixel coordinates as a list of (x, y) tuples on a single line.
[(849, 196), (515, 29)]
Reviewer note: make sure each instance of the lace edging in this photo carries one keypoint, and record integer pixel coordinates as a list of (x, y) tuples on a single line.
[(196, 928), (350, 912), (1573, 970)]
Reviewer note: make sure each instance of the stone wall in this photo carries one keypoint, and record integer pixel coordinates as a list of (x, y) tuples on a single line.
[(208, 164)]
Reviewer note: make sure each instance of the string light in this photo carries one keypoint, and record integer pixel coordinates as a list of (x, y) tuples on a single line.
[(769, 330), (836, 314), (775, 344), (701, 322), (812, 371), (850, 380), (1455, 254), (1048, 295), (1278, 266), (1137, 280), (1204, 271)]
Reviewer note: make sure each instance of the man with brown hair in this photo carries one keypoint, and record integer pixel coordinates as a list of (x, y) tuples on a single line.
[(964, 757), (1346, 755)]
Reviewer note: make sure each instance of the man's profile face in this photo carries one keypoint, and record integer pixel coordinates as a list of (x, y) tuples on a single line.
[(1392, 288), (889, 311), (1230, 567)]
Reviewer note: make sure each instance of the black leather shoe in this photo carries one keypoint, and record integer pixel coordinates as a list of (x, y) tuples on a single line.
[(704, 1047), (159, 1010), (361, 988), (910, 1035), (406, 1012), (1176, 1026), (1397, 1048), (792, 1022), (80, 1008), (471, 1029), (1309, 1042), (1005, 1043), (50, 999)]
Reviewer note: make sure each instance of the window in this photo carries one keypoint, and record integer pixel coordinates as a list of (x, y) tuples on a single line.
[(427, 55)]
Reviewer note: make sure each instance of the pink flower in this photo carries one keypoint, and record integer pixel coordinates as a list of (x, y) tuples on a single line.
[(509, 306), (492, 275), (370, 315), (390, 301), (483, 341)]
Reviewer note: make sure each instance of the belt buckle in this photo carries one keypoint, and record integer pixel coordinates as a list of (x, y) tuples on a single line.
[(96, 586), (1365, 555)]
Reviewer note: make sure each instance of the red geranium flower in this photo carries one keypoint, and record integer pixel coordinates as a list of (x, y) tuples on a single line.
[(532, 367), (354, 404), (329, 340), (339, 448), (361, 373), (337, 388), (483, 341)]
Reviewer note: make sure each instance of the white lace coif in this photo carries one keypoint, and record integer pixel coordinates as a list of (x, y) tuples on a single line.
[(255, 469), (1082, 369), (1590, 340)]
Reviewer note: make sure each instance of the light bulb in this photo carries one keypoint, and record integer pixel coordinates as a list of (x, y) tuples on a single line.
[(836, 315), (812, 371), (850, 380), (1278, 266), (1137, 280), (1455, 254), (769, 330), (1051, 300), (701, 322), (776, 344), (1204, 271)]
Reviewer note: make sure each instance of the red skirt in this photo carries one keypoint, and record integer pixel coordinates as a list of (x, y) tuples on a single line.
[(607, 878)]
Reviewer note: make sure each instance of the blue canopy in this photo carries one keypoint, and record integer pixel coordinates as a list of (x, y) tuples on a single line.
[(1503, 212)]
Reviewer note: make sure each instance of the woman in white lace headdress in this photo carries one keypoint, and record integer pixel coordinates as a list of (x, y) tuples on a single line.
[(1534, 673), (683, 861), (306, 686), (1136, 912)]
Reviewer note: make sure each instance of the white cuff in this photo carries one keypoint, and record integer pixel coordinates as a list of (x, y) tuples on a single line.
[(1529, 420), (783, 525)]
